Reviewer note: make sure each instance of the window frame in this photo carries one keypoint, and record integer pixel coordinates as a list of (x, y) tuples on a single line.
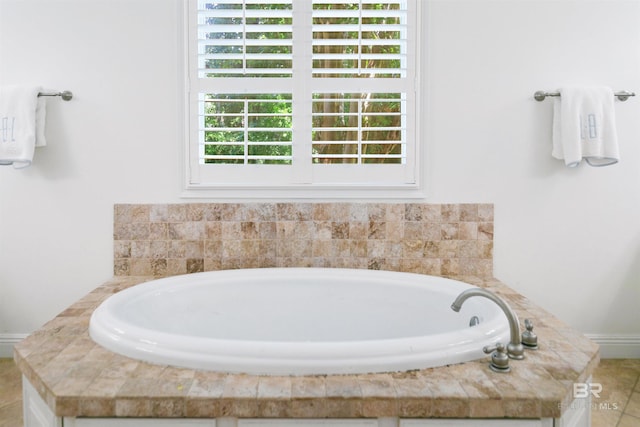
[(284, 181)]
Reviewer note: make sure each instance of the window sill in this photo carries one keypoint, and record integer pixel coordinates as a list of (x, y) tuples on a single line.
[(324, 192)]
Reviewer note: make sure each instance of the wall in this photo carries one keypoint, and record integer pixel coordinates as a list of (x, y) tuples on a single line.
[(567, 238)]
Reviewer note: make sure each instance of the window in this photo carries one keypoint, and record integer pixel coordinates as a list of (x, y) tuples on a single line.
[(302, 94)]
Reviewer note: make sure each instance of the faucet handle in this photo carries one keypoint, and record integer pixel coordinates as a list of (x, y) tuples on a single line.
[(529, 338), (499, 357)]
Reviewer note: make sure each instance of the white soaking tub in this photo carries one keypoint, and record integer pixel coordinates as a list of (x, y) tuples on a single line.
[(298, 321)]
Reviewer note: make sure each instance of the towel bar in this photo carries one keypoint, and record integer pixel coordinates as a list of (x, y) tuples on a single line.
[(66, 95), (540, 95)]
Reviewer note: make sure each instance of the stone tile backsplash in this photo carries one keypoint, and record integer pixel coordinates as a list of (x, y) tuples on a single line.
[(437, 239)]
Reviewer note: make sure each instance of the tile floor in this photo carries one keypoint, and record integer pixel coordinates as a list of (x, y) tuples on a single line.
[(10, 394), (618, 405)]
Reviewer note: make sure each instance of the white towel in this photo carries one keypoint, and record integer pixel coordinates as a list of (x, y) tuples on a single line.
[(22, 120), (584, 127)]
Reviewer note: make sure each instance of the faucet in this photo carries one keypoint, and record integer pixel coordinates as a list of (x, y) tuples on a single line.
[(515, 350)]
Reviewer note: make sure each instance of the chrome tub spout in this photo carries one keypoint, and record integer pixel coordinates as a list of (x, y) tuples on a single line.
[(515, 350)]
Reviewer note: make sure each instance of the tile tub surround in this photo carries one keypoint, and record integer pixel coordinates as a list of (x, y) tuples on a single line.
[(77, 377), (438, 239)]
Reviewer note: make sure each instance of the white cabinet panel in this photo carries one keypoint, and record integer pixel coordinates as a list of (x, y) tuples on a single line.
[(137, 422), (445, 422), (369, 422), (36, 413)]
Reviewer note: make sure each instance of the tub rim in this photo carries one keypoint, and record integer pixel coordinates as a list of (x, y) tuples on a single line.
[(299, 358)]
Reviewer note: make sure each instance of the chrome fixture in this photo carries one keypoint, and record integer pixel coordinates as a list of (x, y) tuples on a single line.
[(515, 350), (66, 95), (529, 338), (499, 358), (475, 320), (540, 95)]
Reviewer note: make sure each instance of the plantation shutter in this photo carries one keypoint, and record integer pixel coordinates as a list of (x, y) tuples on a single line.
[(366, 41), (245, 38), (305, 92), (365, 38), (243, 121)]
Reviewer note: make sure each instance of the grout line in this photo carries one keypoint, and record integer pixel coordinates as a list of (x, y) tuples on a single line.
[(624, 410)]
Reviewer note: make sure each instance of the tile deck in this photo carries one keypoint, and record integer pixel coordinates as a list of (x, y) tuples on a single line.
[(77, 377)]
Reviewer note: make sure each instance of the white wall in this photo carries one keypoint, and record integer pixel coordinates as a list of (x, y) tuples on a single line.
[(116, 141), (567, 238)]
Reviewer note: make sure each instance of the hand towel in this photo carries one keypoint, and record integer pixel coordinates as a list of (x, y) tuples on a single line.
[(22, 119), (584, 127)]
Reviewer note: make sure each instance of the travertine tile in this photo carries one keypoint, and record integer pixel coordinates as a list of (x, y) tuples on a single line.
[(413, 212), (377, 385), (168, 407), (137, 387), (207, 384), (133, 407), (273, 408), (605, 418), (176, 213), (523, 407), (374, 407), (415, 408), (469, 212), (486, 408), (240, 387), (343, 386), (163, 240), (450, 213), (485, 212), (308, 387), (451, 407), (628, 421), (104, 387), (343, 408), (97, 406), (432, 213), (274, 387), (78, 377), (476, 384), (485, 231), (602, 416), (238, 407), (203, 407), (468, 231), (633, 406), (305, 408)]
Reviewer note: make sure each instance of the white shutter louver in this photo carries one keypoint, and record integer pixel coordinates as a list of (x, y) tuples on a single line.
[(359, 128), (250, 38), (365, 38), (237, 130)]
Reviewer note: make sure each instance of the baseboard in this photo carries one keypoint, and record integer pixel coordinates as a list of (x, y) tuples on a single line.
[(7, 341), (617, 346)]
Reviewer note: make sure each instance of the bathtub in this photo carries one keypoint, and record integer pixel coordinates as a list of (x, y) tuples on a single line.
[(298, 321)]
